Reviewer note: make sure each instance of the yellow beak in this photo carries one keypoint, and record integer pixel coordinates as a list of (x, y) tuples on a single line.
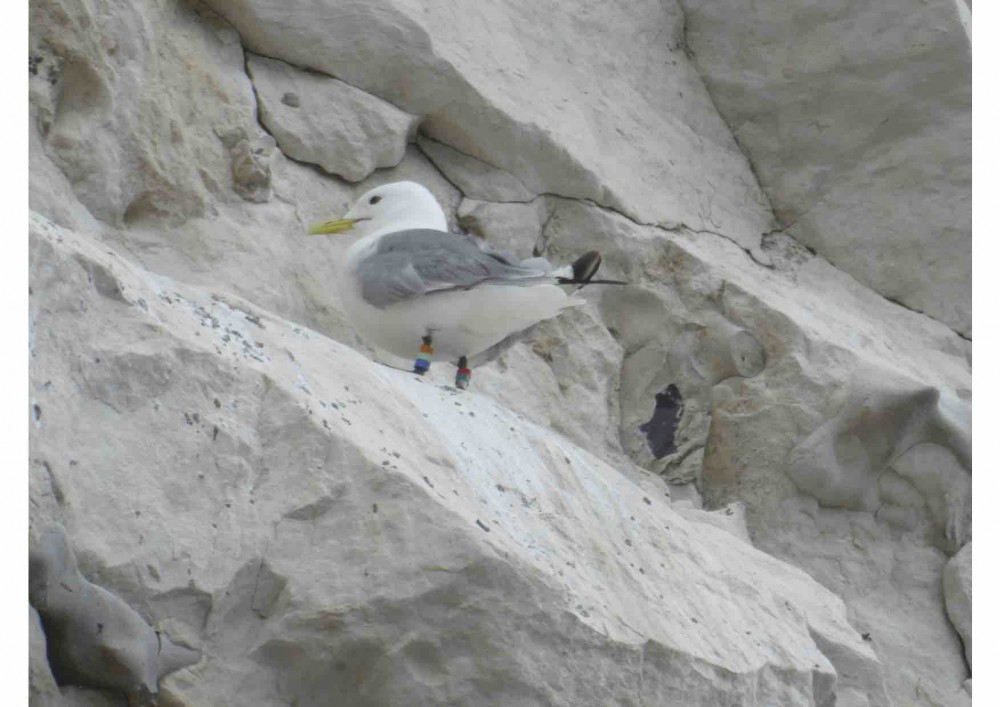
[(335, 226)]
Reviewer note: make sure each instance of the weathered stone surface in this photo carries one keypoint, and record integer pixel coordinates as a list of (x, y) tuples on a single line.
[(630, 128), (686, 283), (731, 518), (762, 358), (516, 227), (50, 192), (857, 118), (890, 579), (327, 527), (842, 461), (324, 121), (132, 119), (71, 696), (95, 639), (571, 389), (251, 168), (475, 178), (958, 596), (821, 332)]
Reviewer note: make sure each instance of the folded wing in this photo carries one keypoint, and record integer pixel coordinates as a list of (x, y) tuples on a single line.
[(418, 262)]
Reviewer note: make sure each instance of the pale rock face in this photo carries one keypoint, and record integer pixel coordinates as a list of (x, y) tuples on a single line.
[(131, 119), (756, 434), (93, 637), (821, 333), (731, 518), (323, 121), (633, 129), (890, 579), (475, 178), (857, 118), (471, 549), (841, 463), (958, 596), (516, 227), (573, 390), (50, 192), (251, 166), (179, 431)]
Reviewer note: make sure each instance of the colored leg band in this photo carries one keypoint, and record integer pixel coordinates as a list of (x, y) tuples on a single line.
[(423, 362), (462, 378)]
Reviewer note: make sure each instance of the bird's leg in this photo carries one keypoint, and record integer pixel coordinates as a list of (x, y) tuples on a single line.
[(464, 374), (423, 362)]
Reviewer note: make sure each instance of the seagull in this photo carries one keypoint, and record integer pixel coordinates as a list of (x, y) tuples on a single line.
[(414, 288)]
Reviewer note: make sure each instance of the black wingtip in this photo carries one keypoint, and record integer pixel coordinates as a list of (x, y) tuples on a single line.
[(585, 267)]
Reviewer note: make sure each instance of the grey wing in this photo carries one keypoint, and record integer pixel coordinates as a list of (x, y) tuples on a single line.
[(412, 263)]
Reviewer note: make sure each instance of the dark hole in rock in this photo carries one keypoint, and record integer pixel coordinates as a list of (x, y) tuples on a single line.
[(661, 429)]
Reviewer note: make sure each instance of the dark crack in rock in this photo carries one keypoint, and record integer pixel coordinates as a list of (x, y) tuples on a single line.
[(661, 429)]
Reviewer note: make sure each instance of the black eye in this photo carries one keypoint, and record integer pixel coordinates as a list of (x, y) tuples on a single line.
[(375, 200)]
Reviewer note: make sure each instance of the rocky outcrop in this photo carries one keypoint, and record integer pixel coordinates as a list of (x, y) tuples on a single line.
[(93, 638), (625, 122), (224, 459), (475, 178), (130, 98), (858, 122), (841, 463), (896, 476), (958, 596), (325, 526), (324, 121)]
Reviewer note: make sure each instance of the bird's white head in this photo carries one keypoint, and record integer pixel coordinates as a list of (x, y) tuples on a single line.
[(389, 208)]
